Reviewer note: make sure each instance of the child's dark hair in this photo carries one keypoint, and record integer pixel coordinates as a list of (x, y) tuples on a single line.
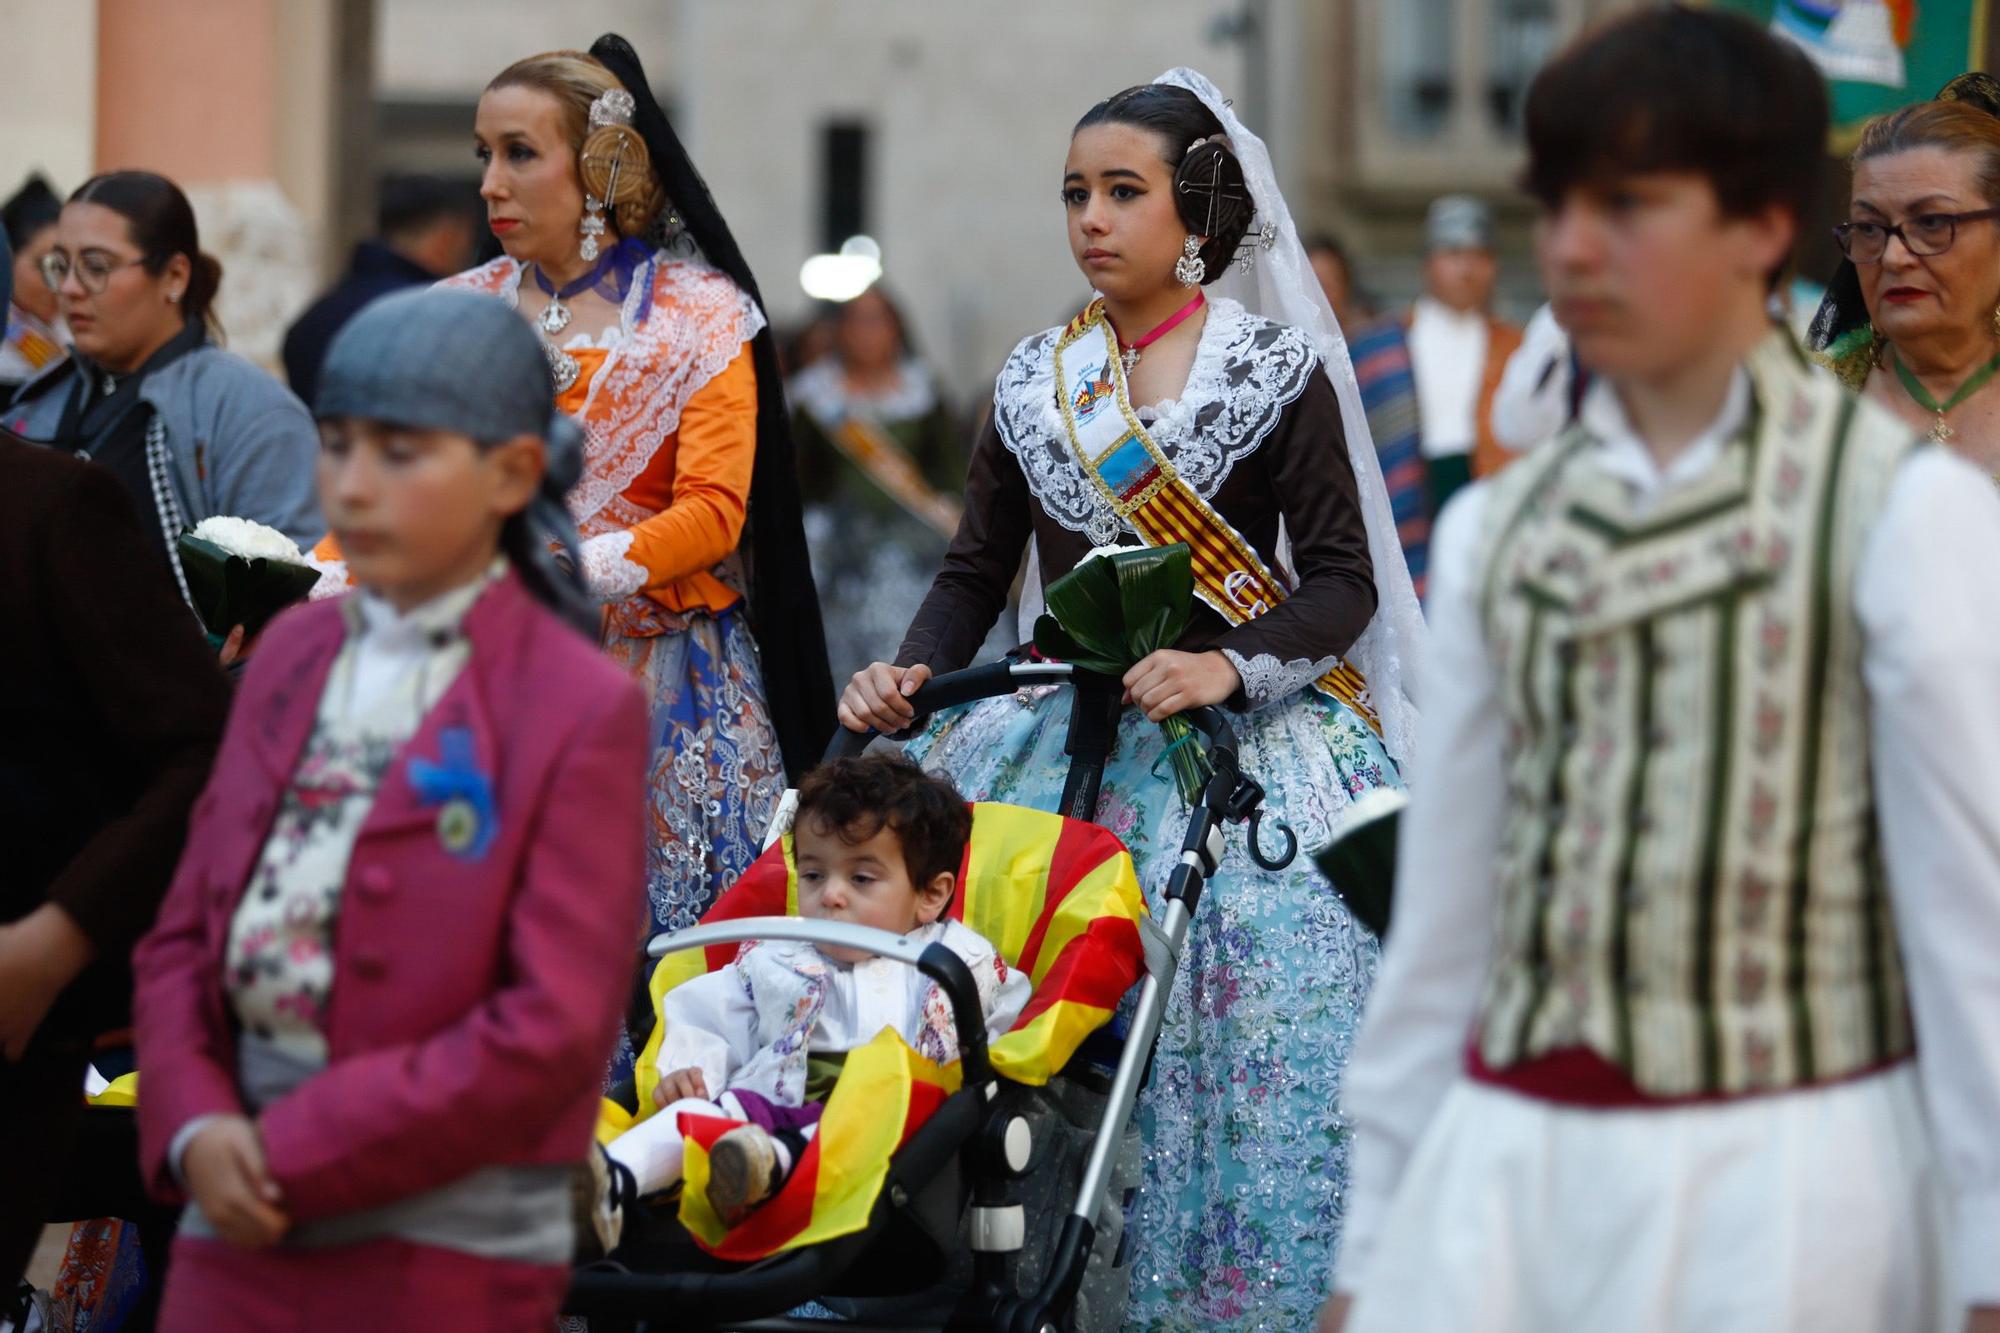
[(855, 798), (1208, 187), (1681, 89)]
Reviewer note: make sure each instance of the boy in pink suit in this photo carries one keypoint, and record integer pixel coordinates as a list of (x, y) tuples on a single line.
[(376, 1007)]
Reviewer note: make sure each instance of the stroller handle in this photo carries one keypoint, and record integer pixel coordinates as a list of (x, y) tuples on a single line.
[(934, 960), (1004, 677), (959, 687)]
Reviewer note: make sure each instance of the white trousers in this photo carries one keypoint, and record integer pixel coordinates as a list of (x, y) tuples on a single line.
[(652, 1150), (1817, 1211)]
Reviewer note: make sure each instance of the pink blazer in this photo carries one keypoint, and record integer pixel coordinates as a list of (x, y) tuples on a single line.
[(475, 998)]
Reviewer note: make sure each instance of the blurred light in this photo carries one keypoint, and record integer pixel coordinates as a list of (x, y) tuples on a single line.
[(843, 276)]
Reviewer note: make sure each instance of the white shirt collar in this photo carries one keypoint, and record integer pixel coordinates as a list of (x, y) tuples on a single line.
[(375, 622), (1625, 456), (1429, 309)]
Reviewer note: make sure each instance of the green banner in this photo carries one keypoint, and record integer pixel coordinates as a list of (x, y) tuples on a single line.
[(1877, 54)]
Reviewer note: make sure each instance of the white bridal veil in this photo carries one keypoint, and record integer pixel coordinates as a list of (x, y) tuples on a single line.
[(1280, 286)]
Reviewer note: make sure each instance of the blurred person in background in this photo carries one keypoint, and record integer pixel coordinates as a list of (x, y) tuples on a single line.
[(34, 335), (1541, 387), (1690, 1020), (110, 713), (189, 429), (1380, 350), (1458, 347), (1912, 318), (809, 340), (881, 464), (1334, 268), (372, 1015), (426, 229), (649, 317)]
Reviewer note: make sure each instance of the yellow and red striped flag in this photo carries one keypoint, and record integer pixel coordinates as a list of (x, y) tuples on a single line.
[(833, 1186), (1058, 898)]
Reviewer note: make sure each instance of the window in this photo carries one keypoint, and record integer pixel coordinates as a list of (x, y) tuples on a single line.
[(1521, 34), (843, 183), (1418, 40)]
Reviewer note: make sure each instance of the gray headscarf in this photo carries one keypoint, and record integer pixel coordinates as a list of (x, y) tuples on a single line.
[(460, 361)]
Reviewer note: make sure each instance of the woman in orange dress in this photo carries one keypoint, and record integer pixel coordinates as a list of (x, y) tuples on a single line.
[(689, 507)]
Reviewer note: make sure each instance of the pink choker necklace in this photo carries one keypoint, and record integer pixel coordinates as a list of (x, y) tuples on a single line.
[(1128, 352)]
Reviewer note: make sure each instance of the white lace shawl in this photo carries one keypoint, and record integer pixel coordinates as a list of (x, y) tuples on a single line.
[(1246, 371), (698, 322)]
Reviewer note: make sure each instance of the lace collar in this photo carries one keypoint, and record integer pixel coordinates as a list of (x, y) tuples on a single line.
[(1246, 371), (678, 332), (821, 389)]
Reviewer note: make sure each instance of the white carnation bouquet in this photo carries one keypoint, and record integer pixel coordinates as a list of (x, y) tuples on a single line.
[(242, 573)]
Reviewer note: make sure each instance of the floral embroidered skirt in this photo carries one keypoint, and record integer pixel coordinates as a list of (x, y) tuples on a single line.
[(1246, 1151), (715, 775)]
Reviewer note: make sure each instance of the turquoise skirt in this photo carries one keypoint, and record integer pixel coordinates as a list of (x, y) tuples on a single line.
[(1246, 1150)]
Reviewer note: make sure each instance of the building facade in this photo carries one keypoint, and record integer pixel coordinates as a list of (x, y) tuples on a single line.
[(1420, 98), (256, 107), (938, 130)]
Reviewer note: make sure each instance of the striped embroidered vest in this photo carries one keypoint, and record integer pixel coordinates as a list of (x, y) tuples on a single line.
[(1690, 882)]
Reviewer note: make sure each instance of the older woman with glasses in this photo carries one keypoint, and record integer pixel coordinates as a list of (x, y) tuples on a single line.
[(1912, 320), (189, 429)]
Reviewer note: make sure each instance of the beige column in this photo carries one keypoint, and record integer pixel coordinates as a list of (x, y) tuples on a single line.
[(235, 101), (48, 101)]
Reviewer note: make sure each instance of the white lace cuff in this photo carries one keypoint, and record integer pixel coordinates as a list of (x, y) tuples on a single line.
[(332, 579), (1267, 680), (610, 576)]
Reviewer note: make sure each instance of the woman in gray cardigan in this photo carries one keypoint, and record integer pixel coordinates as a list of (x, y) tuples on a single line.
[(189, 429)]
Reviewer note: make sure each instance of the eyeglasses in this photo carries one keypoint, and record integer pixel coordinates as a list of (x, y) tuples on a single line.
[(1923, 235), (93, 269)]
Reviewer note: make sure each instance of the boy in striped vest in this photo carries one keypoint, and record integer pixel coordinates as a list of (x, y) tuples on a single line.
[(1691, 1015)]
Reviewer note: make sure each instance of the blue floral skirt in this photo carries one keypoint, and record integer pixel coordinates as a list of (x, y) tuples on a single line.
[(1246, 1150), (715, 776)]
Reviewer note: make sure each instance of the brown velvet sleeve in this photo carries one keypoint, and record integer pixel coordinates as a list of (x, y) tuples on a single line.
[(156, 686), (970, 591), (1313, 484)]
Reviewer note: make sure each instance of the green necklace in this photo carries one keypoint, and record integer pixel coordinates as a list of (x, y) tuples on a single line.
[(1940, 432)]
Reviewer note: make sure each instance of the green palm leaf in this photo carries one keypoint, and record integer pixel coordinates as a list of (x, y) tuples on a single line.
[(1113, 610)]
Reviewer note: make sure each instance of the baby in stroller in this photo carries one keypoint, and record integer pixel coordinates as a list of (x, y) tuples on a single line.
[(877, 842)]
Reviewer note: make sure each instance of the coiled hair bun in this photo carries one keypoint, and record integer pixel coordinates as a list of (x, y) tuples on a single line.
[(615, 166), (1209, 190), (1214, 201)]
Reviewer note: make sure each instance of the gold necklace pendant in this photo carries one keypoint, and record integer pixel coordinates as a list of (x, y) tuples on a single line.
[(1942, 433), (1129, 358)]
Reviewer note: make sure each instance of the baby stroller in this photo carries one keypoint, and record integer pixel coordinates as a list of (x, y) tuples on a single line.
[(1004, 1210)]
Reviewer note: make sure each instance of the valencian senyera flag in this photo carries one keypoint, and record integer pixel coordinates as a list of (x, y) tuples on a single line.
[(1877, 55), (1057, 897)]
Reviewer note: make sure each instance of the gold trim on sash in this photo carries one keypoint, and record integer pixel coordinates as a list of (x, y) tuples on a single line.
[(886, 463), (1143, 488)]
